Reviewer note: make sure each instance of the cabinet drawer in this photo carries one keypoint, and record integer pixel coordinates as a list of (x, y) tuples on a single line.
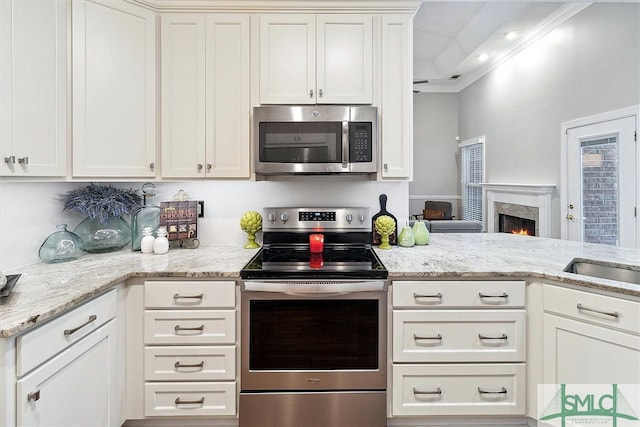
[(456, 294), (42, 343), (190, 294), (192, 399), (488, 389), (459, 336), (189, 327), (179, 363), (600, 309)]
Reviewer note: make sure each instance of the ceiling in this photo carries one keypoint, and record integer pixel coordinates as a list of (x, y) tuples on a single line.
[(449, 37)]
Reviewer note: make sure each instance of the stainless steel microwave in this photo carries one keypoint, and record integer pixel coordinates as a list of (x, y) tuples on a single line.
[(315, 139)]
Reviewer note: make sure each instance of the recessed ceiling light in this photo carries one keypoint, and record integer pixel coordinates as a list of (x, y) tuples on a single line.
[(511, 35), (483, 57)]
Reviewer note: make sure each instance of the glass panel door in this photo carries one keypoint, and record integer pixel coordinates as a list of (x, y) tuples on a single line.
[(601, 183)]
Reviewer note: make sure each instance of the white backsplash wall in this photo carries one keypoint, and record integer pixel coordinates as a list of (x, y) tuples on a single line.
[(30, 211)]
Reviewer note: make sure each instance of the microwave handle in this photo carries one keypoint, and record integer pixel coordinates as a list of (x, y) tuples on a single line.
[(345, 144)]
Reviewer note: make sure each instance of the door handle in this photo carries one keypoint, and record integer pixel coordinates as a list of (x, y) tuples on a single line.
[(569, 217)]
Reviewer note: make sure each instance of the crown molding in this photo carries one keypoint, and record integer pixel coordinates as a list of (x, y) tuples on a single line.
[(289, 6)]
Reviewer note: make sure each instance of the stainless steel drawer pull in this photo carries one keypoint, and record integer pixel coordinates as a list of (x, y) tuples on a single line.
[(34, 395), (436, 391), (178, 296), (189, 402), (437, 337), (484, 337), (187, 365), (614, 314), (438, 296), (180, 328), (76, 329), (502, 295), (501, 391)]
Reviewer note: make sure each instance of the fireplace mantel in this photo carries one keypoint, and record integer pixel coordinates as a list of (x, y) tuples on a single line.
[(535, 195)]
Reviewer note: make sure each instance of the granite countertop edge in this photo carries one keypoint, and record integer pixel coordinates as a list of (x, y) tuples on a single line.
[(449, 256)]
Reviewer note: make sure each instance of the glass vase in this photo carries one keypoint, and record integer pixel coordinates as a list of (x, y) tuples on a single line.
[(109, 236), (61, 245)]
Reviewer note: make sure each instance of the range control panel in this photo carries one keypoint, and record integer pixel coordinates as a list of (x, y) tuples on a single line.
[(356, 218)]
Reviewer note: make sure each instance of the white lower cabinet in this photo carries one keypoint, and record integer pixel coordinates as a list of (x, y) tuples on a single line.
[(590, 338), (190, 348), (69, 370), (75, 388), (459, 348)]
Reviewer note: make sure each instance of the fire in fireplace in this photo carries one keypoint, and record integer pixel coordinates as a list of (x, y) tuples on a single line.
[(516, 225)]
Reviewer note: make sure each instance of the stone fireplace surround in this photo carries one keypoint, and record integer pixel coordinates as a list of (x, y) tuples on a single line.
[(530, 201)]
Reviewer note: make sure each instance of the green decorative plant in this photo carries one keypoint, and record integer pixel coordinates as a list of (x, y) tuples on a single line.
[(102, 201)]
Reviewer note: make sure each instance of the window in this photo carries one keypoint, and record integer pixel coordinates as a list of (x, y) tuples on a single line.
[(472, 176)]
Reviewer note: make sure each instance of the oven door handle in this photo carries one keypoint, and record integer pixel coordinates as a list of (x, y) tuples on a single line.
[(318, 289)]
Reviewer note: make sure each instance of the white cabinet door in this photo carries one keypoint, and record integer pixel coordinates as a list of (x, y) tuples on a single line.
[(205, 96), (114, 86), (76, 388), (183, 95), (228, 99), (344, 59), (309, 59), (578, 352), (33, 88), (397, 103), (287, 59)]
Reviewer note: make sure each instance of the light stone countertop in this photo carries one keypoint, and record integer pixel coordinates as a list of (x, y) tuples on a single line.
[(46, 290)]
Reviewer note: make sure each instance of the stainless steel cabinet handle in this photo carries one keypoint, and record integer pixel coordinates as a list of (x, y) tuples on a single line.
[(180, 328), (178, 296), (192, 365), (34, 395), (484, 337), (438, 296), (10, 159), (199, 167), (152, 166), (502, 295), (613, 314), (437, 337), (77, 328), (310, 93), (436, 391), (189, 402), (320, 93), (386, 167), (501, 391), (209, 167), (23, 160)]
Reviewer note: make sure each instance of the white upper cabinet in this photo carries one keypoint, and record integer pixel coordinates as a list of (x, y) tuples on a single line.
[(396, 109), (114, 89), (33, 88), (309, 59), (205, 95)]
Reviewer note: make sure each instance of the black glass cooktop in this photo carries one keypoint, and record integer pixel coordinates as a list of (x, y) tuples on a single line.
[(350, 262)]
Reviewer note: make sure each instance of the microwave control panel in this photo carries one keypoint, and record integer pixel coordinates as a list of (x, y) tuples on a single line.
[(360, 142)]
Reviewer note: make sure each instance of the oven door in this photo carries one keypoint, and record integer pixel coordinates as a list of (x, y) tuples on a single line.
[(303, 336)]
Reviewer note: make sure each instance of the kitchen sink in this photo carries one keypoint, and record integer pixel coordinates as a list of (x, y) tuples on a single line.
[(604, 270)]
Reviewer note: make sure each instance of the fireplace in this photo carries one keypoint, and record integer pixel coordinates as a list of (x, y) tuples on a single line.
[(516, 225), (516, 218), (526, 206)]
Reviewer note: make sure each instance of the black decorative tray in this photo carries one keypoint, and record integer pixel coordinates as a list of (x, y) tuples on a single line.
[(12, 279)]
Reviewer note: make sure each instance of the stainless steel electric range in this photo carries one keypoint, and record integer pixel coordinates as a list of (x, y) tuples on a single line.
[(313, 322)]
